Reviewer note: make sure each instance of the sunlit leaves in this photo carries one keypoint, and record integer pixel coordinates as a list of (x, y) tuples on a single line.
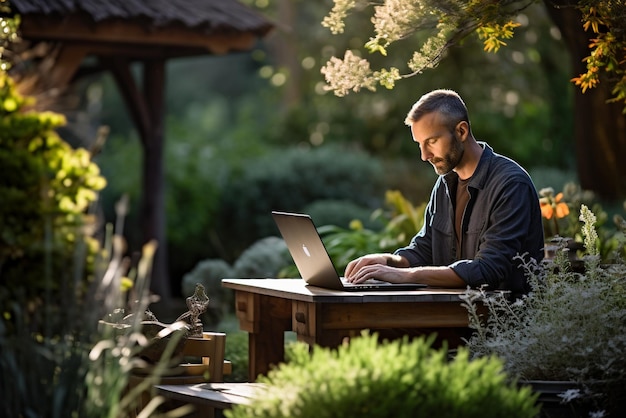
[(593, 20), (377, 45), (366, 378), (387, 78), (607, 49), (445, 23), (587, 80), (493, 35), (8, 32), (40, 164), (493, 23), (9, 105)]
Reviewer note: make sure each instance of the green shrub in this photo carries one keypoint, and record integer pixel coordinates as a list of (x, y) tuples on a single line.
[(290, 180), (365, 378), (400, 221), (390, 227), (237, 352), (46, 187), (341, 213), (77, 369), (41, 376), (570, 327), (567, 223), (263, 259), (57, 280)]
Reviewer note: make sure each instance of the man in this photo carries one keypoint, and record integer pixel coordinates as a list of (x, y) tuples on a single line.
[(483, 210)]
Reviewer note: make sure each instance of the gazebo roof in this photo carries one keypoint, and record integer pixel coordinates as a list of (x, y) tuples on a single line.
[(163, 28)]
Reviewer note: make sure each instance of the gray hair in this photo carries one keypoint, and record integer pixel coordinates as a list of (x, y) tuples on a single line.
[(447, 102)]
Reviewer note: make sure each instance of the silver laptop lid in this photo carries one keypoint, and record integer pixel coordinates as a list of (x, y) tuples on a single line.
[(313, 261), (307, 250)]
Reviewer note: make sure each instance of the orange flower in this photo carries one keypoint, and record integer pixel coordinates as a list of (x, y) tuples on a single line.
[(551, 208), (546, 208)]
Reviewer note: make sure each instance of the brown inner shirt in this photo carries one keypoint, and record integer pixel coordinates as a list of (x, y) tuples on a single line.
[(462, 197)]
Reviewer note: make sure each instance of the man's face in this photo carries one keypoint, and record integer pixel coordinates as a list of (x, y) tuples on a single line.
[(440, 147)]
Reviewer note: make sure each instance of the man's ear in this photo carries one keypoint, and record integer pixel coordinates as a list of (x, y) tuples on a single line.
[(462, 130)]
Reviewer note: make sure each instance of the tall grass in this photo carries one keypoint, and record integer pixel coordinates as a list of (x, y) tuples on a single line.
[(58, 358)]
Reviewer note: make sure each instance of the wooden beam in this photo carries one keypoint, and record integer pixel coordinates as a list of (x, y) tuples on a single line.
[(66, 64), (80, 29), (153, 190), (55, 65), (134, 99), (140, 52)]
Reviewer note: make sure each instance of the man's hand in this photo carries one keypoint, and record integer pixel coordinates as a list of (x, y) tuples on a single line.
[(396, 269), (376, 266), (381, 272)]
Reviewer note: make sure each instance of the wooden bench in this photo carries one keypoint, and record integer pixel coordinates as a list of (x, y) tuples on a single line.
[(203, 361), (210, 399)]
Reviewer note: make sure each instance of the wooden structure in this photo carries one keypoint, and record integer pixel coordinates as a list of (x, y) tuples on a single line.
[(121, 33), (267, 308), (211, 399), (203, 361)]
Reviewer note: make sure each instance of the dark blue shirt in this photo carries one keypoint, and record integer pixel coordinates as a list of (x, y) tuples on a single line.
[(502, 219)]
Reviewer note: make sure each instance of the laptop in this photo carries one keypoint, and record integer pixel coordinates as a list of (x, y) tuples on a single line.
[(312, 260)]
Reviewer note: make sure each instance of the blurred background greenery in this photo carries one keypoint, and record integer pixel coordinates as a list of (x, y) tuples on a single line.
[(252, 132), (245, 133)]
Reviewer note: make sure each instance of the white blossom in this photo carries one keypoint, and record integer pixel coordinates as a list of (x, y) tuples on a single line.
[(351, 73)]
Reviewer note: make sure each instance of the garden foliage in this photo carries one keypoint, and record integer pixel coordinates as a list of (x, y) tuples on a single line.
[(561, 218), (398, 221), (289, 181), (48, 262), (265, 258), (402, 378), (46, 187), (57, 280), (445, 24), (570, 327)]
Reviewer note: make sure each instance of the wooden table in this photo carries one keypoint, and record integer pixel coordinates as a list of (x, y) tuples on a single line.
[(266, 308)]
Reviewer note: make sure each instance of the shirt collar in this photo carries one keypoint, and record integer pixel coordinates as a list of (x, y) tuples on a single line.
[(480, 174)]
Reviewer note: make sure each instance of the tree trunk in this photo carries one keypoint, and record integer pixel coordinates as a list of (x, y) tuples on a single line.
[(285, 50), (599, 127)]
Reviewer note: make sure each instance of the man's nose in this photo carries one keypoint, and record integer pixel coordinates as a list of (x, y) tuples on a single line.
[(425, 154)]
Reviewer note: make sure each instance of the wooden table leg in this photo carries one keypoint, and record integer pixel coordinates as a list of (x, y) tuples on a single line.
[(266, 319)]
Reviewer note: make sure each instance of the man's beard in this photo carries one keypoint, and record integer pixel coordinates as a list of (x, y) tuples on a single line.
[(449, 161)]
